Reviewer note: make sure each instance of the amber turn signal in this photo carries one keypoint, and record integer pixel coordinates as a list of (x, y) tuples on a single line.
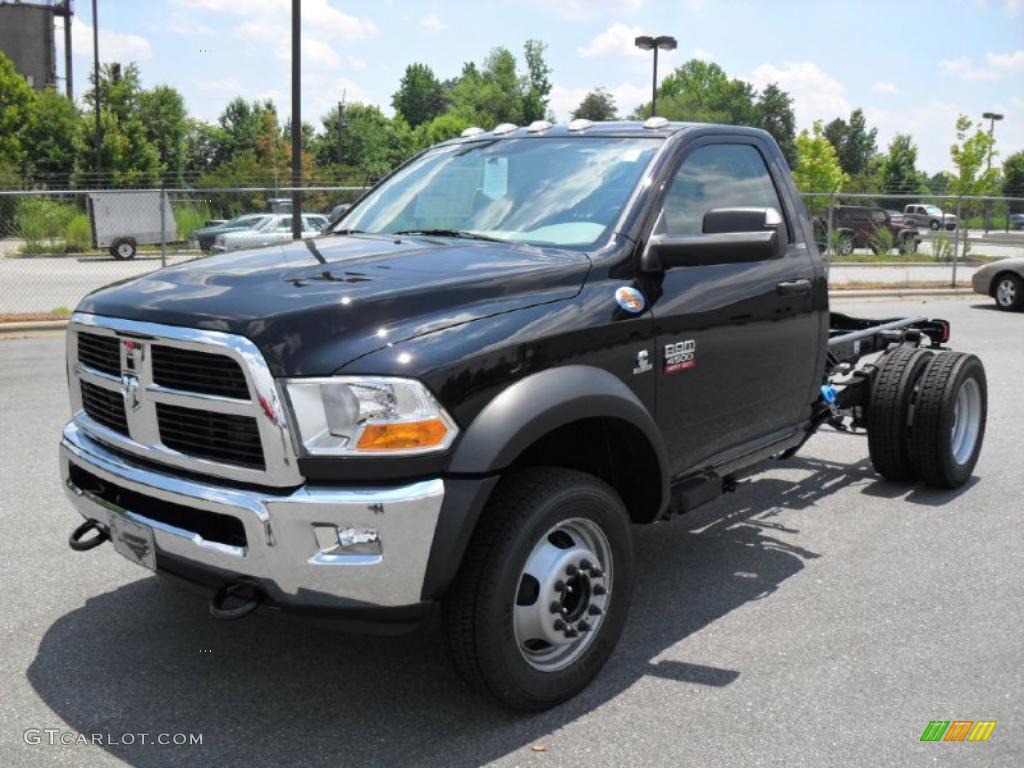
[(404, 436)]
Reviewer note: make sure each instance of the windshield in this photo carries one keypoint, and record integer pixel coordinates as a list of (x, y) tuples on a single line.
[(933, 209), (562, 192)]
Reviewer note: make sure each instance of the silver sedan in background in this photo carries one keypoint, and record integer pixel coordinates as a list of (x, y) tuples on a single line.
[(1003, 280), (277, 229)]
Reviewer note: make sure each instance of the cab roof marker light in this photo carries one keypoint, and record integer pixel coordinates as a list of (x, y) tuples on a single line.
[(656, 122), (505, 128), (538, 125), (471, 132), (580, 124)]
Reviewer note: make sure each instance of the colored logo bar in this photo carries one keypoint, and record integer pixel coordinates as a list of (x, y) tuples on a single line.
[(958, 730)]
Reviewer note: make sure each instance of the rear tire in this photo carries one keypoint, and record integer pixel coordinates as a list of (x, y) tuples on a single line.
[(1009, 293), (844, 246), (892, 394), (500, 620), (949, 420)]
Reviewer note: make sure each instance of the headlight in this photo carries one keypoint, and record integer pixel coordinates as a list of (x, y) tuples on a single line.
[(367, 416)]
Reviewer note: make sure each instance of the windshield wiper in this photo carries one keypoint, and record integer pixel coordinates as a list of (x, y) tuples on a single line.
[(347, 232), (461, 233)]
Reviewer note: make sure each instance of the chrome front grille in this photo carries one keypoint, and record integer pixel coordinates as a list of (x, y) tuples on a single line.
[(202, 401), (186, 369), (218, 436)]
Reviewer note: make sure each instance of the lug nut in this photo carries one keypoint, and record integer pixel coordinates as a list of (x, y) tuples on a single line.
[(559, 586), (585, 565), (583, 626), (570, 632), (571, 569), (556, 607), (559, 625), (599, 590), (596, 573), (594, 610)]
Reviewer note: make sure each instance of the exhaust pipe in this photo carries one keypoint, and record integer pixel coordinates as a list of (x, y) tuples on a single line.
[(77, 543), (250, 595)]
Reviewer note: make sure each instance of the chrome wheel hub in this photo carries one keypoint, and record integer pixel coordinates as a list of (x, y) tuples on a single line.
[(563, 594), (1006, 293), (966, 421)]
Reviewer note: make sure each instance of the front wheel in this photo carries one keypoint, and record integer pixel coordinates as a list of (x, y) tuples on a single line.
[(123, 248), (1009, 293), (543, 593), (934, 225)]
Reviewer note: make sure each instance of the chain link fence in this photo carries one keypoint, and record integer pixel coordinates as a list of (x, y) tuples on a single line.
[(912, 240), (57, 246)]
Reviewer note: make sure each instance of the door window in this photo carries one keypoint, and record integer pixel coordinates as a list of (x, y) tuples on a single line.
[(717, 176)]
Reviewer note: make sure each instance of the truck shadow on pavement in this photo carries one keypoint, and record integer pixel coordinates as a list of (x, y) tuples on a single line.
[(146, 657)]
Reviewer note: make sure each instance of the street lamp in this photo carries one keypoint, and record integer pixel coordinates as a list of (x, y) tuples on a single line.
[(648, 43), (991, 117)]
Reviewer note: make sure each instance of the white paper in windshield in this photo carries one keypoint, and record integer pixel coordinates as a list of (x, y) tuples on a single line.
[(496, 177)]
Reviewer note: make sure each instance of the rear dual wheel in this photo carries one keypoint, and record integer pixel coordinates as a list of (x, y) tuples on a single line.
[(927, 414), (543, 592)]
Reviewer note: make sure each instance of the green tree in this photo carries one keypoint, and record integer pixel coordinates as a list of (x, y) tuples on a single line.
[(970, 153), (492, 95), (1013, 180), (203, 146), (51, 134), (162, 112), (420, 96), (597, 105), (817, 167), (855, 144), (15, 99), (359, 138), (899, 168), (441, 128), (773, 112), (940, 183), (536, 83), (242, 124), (701, 91)]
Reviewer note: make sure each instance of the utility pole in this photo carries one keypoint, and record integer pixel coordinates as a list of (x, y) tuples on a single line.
[(96, 85), (66, 13), (296, 119)]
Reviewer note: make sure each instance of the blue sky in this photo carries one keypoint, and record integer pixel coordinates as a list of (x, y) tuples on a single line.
[(911, 65)]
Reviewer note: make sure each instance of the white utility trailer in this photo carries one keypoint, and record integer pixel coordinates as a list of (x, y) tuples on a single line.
[(123, 220)]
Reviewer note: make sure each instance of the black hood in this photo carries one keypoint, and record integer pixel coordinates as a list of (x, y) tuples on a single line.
[(316, 305)]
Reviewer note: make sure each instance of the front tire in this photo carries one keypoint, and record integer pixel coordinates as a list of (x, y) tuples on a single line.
[(1009, 293), (544, 590), (123, 248)]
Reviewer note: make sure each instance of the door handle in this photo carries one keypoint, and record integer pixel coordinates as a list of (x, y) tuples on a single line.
[(791, 287)]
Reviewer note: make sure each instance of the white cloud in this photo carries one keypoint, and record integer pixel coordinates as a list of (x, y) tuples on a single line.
[(432, 22), (999, 65), (885, 88), (702, 54), (355, 62), (180, 25), (223, 85), (1013, 7), (114, 46), (617, 40), (816, 94), (320, 53), (585, 10)]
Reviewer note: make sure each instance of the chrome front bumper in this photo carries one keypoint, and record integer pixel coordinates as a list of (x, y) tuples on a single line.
[(286, 551)]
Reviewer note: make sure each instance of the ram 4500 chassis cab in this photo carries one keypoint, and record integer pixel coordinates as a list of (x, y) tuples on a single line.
[(516, 347)]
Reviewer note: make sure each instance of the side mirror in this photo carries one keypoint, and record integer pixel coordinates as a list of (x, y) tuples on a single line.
[(729, 235)]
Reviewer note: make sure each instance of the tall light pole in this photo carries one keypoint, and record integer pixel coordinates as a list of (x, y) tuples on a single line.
[(648, 43), (991, 117), (296, 119), (96, 87)]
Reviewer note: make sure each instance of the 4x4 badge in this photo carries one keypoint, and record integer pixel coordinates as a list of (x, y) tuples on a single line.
[(643, 362)]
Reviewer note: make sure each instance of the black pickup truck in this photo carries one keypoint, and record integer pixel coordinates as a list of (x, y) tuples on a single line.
[(517, 346)]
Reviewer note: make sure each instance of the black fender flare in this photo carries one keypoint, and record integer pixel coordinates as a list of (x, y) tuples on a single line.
[(542, 402), (510, 423)]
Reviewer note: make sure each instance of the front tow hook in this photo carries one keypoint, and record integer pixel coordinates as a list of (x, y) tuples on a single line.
[(76, 542), (237, 590)]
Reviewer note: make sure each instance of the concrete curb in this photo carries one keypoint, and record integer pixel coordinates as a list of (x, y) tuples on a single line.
[(32, 325), (899, 293)]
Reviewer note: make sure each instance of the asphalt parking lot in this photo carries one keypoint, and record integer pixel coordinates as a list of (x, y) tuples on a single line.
[(818, 616)]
